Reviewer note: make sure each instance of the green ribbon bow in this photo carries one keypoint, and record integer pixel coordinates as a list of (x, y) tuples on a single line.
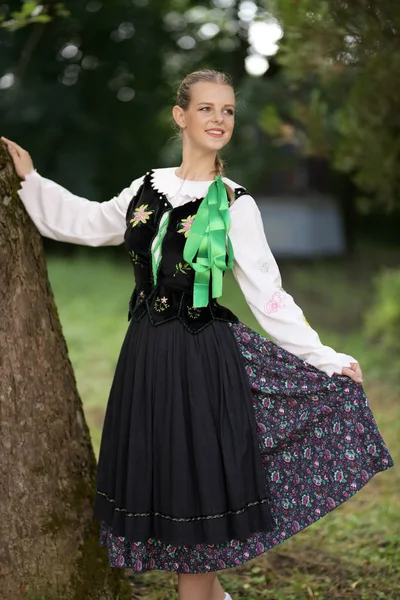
[(208, 249)]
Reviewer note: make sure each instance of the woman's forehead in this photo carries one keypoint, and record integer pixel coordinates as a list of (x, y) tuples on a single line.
[(212, 93)]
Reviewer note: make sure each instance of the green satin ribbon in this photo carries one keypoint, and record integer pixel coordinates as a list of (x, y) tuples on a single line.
[(208, 249), (155, 260)]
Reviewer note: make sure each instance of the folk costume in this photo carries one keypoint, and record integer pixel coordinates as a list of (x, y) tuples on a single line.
[(218, 443)]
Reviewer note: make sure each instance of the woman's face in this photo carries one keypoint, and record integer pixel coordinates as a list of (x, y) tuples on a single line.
[(208, 121)]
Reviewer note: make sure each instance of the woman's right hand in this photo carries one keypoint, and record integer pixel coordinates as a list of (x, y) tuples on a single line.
[(21, 158)]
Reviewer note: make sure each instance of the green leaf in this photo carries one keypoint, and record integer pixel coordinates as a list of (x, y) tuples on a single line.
[(270, 120), (28, 8), (13, 24), (41, 19)]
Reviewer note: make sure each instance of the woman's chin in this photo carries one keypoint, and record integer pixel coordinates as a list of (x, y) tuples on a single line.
[(215, 144)]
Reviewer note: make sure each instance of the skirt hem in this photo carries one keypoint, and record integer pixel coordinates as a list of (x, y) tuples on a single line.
[(138, 566)]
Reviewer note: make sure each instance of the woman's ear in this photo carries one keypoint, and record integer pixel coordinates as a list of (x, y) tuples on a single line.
[(179, 116)]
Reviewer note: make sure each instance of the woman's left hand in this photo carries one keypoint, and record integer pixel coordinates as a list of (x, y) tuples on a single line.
[(21, 158), (354, 372)]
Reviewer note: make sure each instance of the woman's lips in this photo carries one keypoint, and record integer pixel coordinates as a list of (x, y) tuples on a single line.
[(215, 133)]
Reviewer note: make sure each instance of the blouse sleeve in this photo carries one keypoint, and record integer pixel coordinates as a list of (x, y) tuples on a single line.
[(258, 276), (60, 215)]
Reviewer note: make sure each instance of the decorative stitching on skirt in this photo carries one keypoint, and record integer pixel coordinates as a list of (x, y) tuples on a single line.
[(155, 513)]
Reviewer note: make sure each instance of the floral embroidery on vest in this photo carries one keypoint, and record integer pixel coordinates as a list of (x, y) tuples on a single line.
[(140, 298), (181, 269), (186, 225), (194, 313), (135, 258), (161, 304), (141, 215)]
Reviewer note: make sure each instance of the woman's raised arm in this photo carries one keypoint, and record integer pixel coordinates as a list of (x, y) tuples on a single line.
[(258, 276), (60, 215)]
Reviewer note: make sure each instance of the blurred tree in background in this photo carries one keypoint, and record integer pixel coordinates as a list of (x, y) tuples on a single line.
[(89, 91), (89, 94), (343, 62)]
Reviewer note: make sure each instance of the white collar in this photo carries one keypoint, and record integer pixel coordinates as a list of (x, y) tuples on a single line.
[(165, 181)]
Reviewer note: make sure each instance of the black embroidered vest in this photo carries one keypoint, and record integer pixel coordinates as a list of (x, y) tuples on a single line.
[(171, 296)]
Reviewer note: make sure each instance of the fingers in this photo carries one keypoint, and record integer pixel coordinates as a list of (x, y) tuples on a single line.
[(354, 373), (21, 158), (357, 369), (13, 147), (13, 152), (350, 373)]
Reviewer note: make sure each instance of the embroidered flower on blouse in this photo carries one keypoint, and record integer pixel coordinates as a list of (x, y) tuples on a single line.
[(186, 225), (275, 304), (193, 312), (161, 304), (141, 215), (264, 267)]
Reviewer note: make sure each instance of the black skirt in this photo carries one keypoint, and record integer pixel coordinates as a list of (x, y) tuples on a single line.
[(179, 457)]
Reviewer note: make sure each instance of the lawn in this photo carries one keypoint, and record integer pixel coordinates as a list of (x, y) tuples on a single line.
[(351, 553)]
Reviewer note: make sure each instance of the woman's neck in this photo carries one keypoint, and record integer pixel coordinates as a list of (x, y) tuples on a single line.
[(197, 166)]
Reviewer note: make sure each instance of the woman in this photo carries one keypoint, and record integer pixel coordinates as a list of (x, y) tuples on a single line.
[(217, 443)]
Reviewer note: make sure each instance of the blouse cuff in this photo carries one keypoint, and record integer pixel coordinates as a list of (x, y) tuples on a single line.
[(332, 364)]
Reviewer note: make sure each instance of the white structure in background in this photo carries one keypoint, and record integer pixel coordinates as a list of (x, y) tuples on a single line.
[(304, 226), (309, 224)]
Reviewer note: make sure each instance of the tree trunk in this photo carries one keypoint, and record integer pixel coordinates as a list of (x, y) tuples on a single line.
[(49, 541)]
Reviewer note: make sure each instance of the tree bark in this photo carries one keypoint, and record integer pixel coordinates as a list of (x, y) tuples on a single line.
[(49, 541)]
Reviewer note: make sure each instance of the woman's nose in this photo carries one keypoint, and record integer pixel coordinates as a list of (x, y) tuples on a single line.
[(218, 117)]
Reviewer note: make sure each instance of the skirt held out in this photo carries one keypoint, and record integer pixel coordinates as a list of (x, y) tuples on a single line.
[(218, 446)]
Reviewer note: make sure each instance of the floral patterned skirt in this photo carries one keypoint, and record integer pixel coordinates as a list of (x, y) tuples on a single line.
[(318, 443)]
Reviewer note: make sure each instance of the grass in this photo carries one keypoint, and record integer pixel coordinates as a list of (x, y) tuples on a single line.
[(351, 553)]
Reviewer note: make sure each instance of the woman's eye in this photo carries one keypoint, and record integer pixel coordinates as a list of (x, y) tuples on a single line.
[(228, 111)]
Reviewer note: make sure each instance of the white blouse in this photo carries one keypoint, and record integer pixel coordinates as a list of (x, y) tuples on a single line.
[(63, 216)]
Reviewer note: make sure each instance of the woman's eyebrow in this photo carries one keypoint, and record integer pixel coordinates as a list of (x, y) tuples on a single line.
[(212, 104)]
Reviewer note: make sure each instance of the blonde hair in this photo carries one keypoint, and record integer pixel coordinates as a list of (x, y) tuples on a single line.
[(183, 97)]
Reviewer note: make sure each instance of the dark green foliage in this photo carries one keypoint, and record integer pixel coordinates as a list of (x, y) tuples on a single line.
[(343, 60), (73, 108), (96, 117), (30, 12)]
